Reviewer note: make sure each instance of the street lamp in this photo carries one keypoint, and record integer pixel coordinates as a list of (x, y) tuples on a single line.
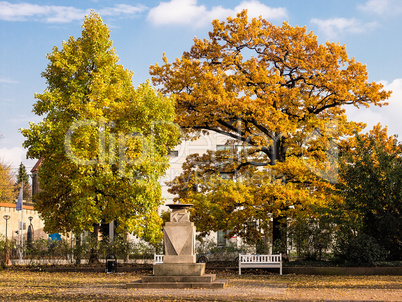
[(7, 260), (30, 234), (6, 217)]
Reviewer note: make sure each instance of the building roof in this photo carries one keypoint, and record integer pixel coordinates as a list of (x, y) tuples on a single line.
[(37, 165), (25, 206)]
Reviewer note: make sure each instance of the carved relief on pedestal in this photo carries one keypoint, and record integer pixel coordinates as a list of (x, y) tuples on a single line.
[(179, 216)]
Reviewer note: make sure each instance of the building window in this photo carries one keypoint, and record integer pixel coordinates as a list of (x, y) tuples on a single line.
[(221, 238), (173, 153)]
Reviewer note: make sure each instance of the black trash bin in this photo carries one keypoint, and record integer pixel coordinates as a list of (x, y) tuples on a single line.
[(111, 263)]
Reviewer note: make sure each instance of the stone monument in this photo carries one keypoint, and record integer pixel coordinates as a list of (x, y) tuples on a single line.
[(179, 268)]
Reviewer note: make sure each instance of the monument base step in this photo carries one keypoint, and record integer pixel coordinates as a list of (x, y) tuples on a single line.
[(220, 283), (169, 279)]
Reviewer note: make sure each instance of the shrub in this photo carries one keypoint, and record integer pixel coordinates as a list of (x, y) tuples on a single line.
[(143, 250), (364, 250), (121, 247), (4, 246)]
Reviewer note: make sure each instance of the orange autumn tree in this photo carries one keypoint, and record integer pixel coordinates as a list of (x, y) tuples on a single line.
[(8, 190), (279, 97)]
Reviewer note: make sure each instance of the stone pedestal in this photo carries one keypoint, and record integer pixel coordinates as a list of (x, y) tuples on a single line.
[(179, 268)]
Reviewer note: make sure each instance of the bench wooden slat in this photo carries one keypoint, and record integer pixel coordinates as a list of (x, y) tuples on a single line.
[(261, 261)]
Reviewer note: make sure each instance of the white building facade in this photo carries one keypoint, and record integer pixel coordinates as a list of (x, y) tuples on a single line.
[(213, 141)]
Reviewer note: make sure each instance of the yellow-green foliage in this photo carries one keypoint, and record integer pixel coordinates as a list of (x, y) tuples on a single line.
[(104, 143)]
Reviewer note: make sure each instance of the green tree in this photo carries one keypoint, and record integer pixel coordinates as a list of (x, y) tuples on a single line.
[(272, 90), (22, 175), (23, 178), (371, 186), (104, 144)]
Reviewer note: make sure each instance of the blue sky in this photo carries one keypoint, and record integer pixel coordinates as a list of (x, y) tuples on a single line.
[(143, 30)]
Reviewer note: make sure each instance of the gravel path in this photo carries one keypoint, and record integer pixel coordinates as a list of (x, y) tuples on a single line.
[(238, 290)]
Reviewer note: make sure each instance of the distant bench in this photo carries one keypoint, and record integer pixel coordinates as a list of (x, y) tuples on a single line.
[(260, 261), (157, 260)]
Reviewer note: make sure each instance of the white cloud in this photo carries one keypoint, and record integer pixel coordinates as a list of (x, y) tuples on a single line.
[(387, 115), (382, 7), (188, 12), (122, 9), (15, 156), (333, 27), (178, 12), (58, 14), (47, 13), (8, 81), (256, 9)]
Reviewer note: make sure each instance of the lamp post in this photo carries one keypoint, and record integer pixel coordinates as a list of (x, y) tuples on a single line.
[(30, 234), (6, 217), (6, 254)]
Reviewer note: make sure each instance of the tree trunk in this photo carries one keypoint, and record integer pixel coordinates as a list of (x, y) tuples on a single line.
[(279, 225), (279, 236), (78, 249), (262, 246), (94, 252)]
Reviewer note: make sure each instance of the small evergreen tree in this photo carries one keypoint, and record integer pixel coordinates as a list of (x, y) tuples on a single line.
[(23, 178), (22, 175)]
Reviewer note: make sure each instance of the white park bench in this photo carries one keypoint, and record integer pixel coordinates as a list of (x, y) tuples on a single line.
[(157, 259), (260, 261)]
